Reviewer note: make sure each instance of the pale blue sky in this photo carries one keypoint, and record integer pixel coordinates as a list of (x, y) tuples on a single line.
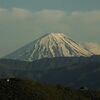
[(22, 21), (69, 5)]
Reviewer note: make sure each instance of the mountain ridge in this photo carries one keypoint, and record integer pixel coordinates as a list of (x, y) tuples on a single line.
[(70, 71)]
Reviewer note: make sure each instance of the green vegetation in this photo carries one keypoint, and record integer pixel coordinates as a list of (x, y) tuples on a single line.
[(16, 89)]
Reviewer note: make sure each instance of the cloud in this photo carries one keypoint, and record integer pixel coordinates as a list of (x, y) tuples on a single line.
[(22, 13), (14, 13), (53, 20), (3, 10), (50, 15), (93, 47)]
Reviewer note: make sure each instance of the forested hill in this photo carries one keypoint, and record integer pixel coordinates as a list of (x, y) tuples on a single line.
[(16, 89)]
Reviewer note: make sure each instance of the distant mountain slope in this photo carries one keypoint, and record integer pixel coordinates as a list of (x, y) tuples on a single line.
[(17, 89), (49, 46), (70, 71)]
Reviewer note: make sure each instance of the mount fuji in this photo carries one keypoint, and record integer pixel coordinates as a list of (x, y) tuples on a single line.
[(49, 46)]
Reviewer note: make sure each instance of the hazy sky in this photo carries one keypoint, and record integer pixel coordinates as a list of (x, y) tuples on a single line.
[(22, 21)]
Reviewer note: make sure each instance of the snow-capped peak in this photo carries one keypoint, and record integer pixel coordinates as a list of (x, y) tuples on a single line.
[(51, 37), (48, 46), (57, 35)]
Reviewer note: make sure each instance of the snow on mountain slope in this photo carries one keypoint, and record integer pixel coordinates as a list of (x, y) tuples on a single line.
[(48, 46)]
